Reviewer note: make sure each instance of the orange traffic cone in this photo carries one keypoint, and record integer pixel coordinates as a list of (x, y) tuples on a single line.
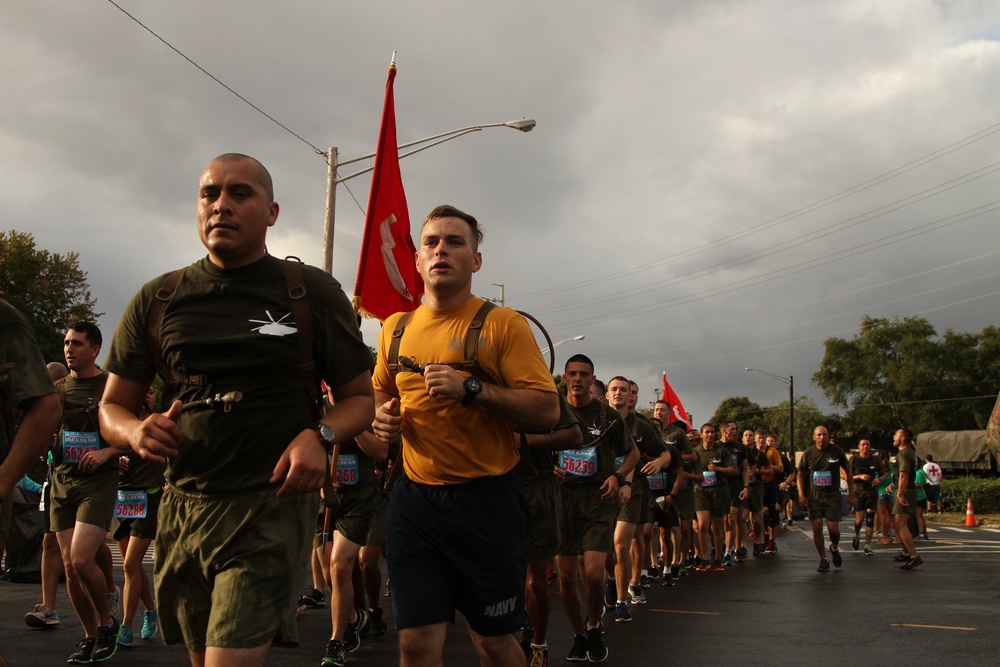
[(970, 516)]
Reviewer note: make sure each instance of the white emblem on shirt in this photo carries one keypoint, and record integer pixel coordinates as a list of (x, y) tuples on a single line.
[(272, 327)]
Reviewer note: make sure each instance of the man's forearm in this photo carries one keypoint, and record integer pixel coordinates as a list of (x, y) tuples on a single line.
[(40, 420), (529, 408)]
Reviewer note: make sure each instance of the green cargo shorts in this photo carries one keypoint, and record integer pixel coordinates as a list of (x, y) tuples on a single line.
[(88, 499), (586, 521), (542, 494), (229, 567)]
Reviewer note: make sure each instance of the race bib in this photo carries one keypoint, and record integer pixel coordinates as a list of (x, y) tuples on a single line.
[(657, 482), (822, 479), (132, 504), (579, 462), (347, 469), (77, 443), (711, 478)]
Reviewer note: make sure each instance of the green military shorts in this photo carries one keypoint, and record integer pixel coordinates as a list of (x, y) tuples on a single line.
[(637, 509), (142, 528), (586, 521), (910, 508), (86, 499), (542, 494), (865, 498), (755, 500), (714, 499), (685, 504), (355, 512), (823, 505), (229, 567), (376, 532)]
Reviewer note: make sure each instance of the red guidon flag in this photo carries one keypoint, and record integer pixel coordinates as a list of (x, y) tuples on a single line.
[(677, 411), (387, 281)]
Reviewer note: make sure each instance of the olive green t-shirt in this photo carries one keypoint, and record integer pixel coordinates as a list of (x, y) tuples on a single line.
[(821, 468), (536, 463), (22, 371), (79, 431), (866, 466), (718, 455), (233, 326), (647, 440), (604, 438)]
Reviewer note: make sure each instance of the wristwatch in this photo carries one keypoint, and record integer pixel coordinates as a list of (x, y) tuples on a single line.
[(472, 388), (325, 435)]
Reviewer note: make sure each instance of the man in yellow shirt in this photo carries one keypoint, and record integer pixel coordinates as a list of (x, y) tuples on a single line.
[(458, 505)]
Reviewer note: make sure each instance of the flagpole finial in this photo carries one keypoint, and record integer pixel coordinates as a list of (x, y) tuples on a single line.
[(392, 63)]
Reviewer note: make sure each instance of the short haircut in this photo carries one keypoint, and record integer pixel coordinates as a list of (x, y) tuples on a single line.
[(660, 401), (600, 385), (907, 434), (89, 330), (579, 359), (620, 378), (449, 211), (930, 458), (708, 424), (262, 173)]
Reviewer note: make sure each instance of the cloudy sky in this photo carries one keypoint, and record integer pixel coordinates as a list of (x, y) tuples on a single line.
[(711, 185)]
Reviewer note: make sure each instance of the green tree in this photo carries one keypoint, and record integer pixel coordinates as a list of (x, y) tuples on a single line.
[(49, 289), (897, 372), (741, 410)]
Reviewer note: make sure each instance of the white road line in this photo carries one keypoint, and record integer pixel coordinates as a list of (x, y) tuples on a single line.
[(959, 530)]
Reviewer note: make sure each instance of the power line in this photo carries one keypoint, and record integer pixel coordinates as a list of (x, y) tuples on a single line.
[(218, 81)]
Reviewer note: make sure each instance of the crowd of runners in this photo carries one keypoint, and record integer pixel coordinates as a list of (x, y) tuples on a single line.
[(278, 442)]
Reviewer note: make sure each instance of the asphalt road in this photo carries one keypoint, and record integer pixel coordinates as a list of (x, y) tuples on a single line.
[(775, 611)]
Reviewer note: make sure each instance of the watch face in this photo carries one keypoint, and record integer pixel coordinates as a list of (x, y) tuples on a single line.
[(325, 433), (473, 385)]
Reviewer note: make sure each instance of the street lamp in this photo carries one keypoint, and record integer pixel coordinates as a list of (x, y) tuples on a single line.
[(791, 404), (522, 125), (555, 345)]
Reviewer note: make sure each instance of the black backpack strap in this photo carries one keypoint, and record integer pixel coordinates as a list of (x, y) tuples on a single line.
[(154, 320), (397, 333), (302, 312)]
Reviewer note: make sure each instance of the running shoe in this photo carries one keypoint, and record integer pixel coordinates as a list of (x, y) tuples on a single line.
[(676, 572), (741, 554), (312, 598), (150, 625), (622, 614), (902, 557), (84, 652), (856, 542), (41, 617), (756, 549), (125, 636), (107, 641), (644, 580), (376, 622), (597, 649), (580, 648), (824, 565), (835, 555), (637, 594), (610, 593), (114, 601), (869, 551), (704, 567), (771, 547), (719, 567), (352, 637), (336, 654), (728, 560), (539, 657), (912, 563), (527, 634)]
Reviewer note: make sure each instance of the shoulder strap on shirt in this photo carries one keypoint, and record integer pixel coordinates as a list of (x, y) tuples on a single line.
[(302, 313), (471, 346), (154, 319)]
